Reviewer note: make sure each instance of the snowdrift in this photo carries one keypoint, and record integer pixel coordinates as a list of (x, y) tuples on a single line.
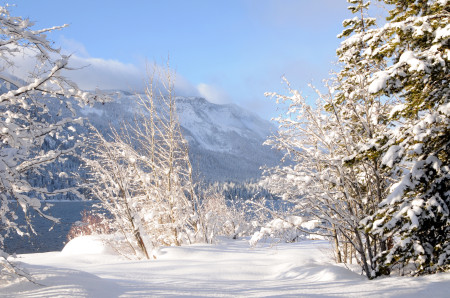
[(89, 268)]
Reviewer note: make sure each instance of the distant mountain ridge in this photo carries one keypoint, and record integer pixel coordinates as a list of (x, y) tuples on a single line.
[(225, 141)]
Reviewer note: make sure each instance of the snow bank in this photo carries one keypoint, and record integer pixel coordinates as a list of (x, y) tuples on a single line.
[(229, 269), (90, 244)]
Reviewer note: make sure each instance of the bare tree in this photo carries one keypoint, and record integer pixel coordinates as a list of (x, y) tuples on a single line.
[(327, 181), (143, 175), (222, 217)]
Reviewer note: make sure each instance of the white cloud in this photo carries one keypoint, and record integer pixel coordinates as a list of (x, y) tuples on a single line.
[(213, 93), (73, 47), (92, 73), (88, 73), (184, 87)]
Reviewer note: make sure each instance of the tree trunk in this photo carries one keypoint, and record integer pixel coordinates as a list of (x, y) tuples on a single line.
[(336, 243)]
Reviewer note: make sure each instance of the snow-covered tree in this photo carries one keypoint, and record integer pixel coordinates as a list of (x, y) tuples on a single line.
[(327, 182), (26, 120), (143, 176), (337, 176), (365, 116), (222, 217), (115, 184), (371, 158), (415, 45)]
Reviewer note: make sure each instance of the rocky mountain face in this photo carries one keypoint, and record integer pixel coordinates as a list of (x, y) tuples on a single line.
[(225, 141)]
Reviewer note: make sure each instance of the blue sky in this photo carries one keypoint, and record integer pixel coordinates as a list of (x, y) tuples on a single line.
[(228, 51)]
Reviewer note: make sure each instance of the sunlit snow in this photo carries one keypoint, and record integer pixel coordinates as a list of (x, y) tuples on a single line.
[(232, 268)]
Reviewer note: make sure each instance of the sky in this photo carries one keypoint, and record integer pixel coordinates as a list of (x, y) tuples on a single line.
[(229, 51)]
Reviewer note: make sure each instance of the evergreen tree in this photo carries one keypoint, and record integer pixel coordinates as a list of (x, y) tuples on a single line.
[(337, 175), (415, 43), (363, 116), (372, 158)]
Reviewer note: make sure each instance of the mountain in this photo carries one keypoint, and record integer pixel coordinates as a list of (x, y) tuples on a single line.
[(225, 141)]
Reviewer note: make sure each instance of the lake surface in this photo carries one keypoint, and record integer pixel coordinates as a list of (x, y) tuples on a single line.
[(50, 236)]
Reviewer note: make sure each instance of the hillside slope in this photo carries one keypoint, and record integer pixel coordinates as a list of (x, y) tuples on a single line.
[(225, 141)]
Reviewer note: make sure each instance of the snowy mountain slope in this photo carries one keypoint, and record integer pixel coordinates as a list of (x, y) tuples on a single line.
[(210, 125), (225, 141)]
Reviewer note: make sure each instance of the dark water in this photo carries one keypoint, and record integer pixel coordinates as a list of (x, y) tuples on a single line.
[(50, 236)]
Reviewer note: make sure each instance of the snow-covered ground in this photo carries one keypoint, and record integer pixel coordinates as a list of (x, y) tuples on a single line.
[(85, 268)]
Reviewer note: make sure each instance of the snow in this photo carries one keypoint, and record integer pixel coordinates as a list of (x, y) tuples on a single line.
[(86, 245), (379, 82), (393, 153), (231, 268), (442, 33), (86, 110), (212, 125), (415, 64), (445, 108)]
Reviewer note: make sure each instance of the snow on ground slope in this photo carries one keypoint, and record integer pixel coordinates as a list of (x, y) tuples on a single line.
[(228, 269)]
